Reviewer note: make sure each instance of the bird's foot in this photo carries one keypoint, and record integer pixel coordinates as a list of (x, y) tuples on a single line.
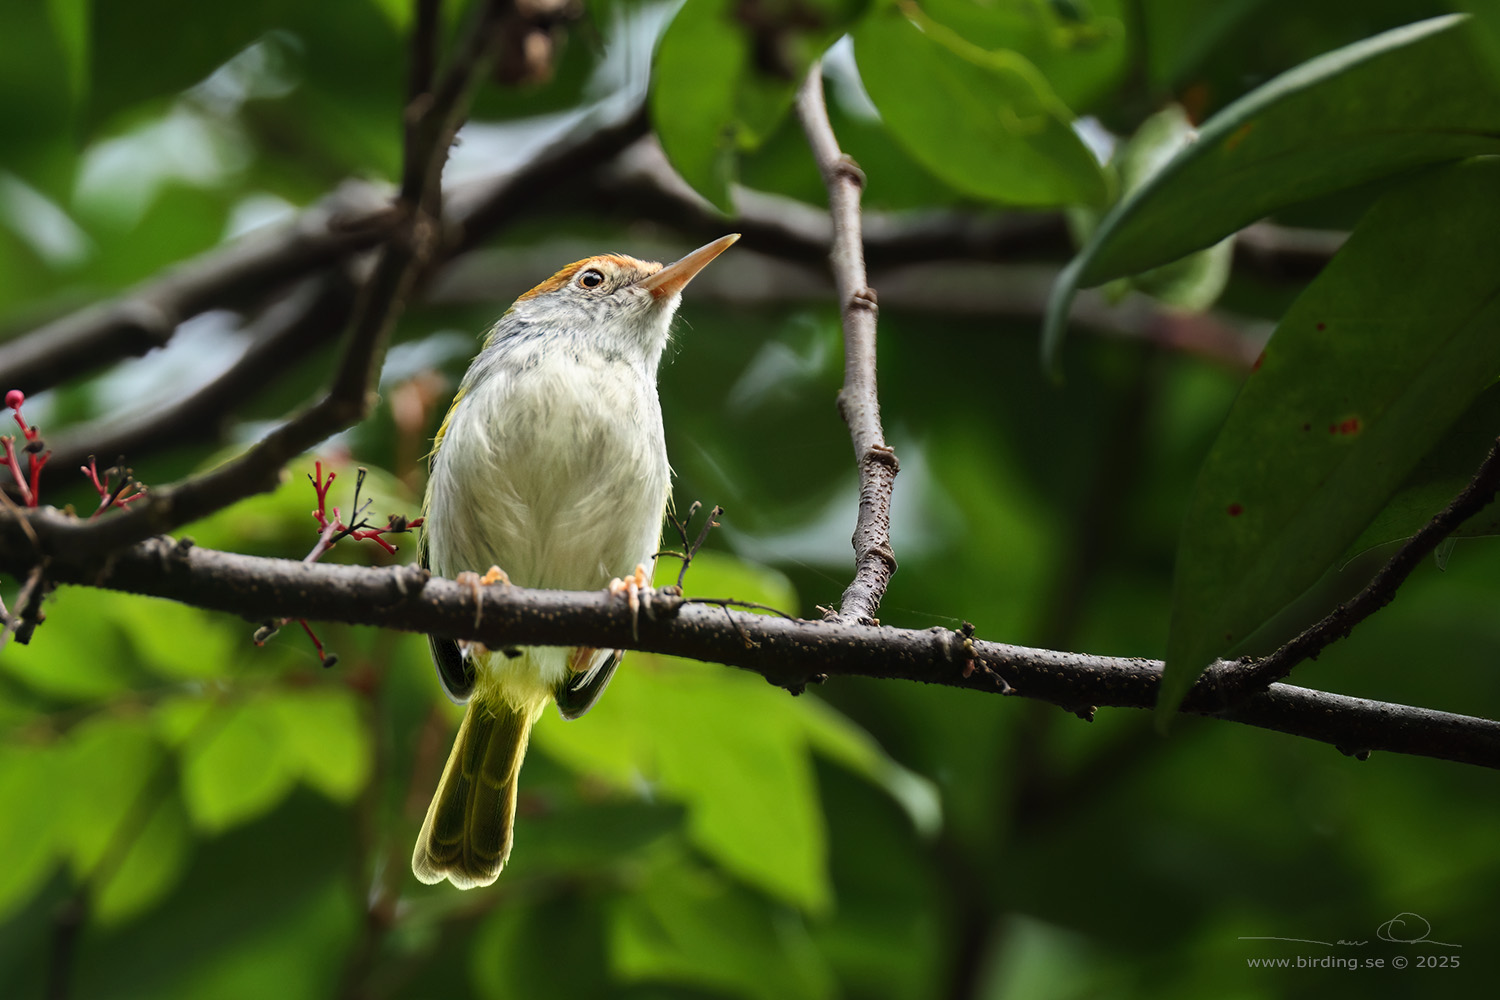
[(636, 588), (474, 581)]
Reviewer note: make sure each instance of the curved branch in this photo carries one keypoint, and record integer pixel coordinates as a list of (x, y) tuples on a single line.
[(789, 653), (859, 400), (1381, 590)]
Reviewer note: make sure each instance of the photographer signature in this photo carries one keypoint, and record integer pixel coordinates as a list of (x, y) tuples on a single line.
[(1403, 928)]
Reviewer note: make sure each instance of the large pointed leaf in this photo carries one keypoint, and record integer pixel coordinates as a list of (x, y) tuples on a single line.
[(725, 74), (986, 122), (1415, 95), (1438, 478), (688, 925), (1363, 377)]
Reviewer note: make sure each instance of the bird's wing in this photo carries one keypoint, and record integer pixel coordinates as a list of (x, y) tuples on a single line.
[(577, 694), (454, 672)]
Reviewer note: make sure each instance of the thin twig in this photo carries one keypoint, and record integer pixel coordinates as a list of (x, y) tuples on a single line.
[(1255, 675), (423, 53), (728, 602), (690, 547), (859, 401), (28, 614), (27, 603)]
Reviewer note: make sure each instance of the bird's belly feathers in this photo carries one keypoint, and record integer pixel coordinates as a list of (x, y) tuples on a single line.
[(560, 479)]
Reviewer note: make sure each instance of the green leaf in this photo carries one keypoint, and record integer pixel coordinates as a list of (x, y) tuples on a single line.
[(326, 739), (101, 783), (840, 740), (70, 21), (1080, 48), (1195, 281), (177, 641), (1363, 377), (39, 76), (81, 661), (687, 925), (717, 89), (1412, 96), (238, 765), (985, 122), (1438, 478), (178, 717), (154, 860), (725, 744), (515, 952), (697, 732), (32, 807)]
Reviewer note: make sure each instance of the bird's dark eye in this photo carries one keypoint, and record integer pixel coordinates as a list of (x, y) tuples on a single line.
[(591, 278)]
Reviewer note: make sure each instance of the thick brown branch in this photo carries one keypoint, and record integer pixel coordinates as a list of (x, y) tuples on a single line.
[(1381, 590), (859, 400), (789, 653)]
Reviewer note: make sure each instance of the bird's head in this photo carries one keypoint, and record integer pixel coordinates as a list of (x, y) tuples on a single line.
[(611, 299)]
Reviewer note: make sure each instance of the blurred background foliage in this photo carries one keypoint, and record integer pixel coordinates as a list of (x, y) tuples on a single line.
[(185, 814)]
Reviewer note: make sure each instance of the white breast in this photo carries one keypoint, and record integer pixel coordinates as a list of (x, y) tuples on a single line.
[(554, 471)]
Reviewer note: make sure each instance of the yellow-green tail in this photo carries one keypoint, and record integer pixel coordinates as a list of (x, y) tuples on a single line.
[(467, 833)]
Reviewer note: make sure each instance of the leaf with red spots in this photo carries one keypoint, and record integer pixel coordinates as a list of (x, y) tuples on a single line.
[(1438, 478), (1412, 303), (1415, 95)]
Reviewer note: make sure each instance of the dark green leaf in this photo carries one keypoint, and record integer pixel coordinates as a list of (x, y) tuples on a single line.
[(1079, 47), (327, 739), (150, 862), (986, 122), (1195, 281), (690, 728), (237, 765), (694, 82), (80, 662), (1412, 96), (1438, 478), (42, 83), (1364, 376), (32, 835), (109, 764), (725, 74), (688, 925), (516, 952)]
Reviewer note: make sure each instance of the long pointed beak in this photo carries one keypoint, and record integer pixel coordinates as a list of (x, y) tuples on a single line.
[(671, 279)]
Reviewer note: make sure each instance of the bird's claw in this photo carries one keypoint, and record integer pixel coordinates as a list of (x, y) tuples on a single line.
[(474, 581), (637, 590)]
